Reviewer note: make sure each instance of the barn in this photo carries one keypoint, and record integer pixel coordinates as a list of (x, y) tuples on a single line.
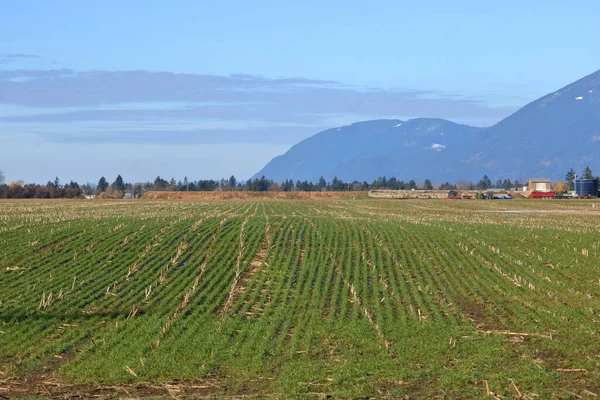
[(539, 185)]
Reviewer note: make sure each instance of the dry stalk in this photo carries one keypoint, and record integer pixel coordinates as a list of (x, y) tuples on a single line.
[(132, 313), (130, 371)]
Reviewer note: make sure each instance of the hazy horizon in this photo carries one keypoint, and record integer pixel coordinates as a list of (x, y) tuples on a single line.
[(209, 91)]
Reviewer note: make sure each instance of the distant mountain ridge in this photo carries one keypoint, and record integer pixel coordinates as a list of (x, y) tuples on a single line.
[(545, 138)]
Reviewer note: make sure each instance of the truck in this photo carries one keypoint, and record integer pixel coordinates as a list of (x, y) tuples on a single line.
[(543, 195)]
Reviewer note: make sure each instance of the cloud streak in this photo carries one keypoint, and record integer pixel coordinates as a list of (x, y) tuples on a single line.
[(157, 107), (18, 58)]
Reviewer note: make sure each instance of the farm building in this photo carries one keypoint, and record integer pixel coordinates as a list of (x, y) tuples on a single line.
[(586, 187), (539, 185)]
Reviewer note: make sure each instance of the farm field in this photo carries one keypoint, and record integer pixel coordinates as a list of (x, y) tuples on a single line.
[(296, 298)]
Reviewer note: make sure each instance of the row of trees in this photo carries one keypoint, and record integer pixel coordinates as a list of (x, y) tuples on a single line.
[(20, 190), (263, 184), (119, 188)]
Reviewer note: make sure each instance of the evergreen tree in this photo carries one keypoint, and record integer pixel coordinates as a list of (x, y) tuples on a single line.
[(411, 185), (322, 183), (447, 186), (506, 184), (232, 182), (288, 186), (118, 184), (159, 183), (264, 184), (2, 178), (337, 185), (102, 184), (485, 183), (569, 178), (428, 185), (587, 173), (137, 190), (56, 182)]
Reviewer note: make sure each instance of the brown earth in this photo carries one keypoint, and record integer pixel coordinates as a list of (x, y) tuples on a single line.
[(432, 194), (50, 389), (253, 195)]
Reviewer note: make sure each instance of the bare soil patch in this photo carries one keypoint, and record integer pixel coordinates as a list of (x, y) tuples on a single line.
[(25, 388), (253, 195)]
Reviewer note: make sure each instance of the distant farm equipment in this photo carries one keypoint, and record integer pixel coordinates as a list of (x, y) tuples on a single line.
[(543, 195), (498, 195), (490, 195), (455, 195)]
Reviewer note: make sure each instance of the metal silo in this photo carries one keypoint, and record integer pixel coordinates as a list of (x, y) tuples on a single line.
[(586, 187)]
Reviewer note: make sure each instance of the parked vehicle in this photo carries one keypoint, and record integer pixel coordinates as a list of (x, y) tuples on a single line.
[(543, 195), (453, 195)]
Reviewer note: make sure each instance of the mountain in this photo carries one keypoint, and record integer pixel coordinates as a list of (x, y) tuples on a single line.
[(545, 138), (366, 150)]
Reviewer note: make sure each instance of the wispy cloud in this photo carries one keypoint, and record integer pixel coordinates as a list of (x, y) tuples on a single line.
[(21, 55), (17, 57), (159, 107)]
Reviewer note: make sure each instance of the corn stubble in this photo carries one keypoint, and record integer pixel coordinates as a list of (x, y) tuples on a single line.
[(344, 297)]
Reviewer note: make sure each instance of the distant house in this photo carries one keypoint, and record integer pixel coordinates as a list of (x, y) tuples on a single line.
[(90, 196), (539, 185)]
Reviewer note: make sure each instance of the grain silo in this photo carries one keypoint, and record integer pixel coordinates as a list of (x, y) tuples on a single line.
[(586, 187)]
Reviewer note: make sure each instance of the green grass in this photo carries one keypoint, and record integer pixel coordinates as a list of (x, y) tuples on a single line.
[(347, 298)]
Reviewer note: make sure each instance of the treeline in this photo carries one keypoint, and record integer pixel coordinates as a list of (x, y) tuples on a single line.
[(52, 190), (263, 185), (119, 188), (336, 185)]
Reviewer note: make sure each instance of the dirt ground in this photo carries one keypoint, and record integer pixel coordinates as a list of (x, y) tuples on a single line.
[(253, 195), (14, 388)]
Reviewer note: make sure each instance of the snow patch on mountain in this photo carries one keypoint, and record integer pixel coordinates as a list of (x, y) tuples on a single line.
[(437, 147)]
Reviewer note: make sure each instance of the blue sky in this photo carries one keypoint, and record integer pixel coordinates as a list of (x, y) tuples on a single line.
[(210, 89)]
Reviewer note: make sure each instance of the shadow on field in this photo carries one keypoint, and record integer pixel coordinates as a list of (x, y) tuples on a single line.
[(61, 317)]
